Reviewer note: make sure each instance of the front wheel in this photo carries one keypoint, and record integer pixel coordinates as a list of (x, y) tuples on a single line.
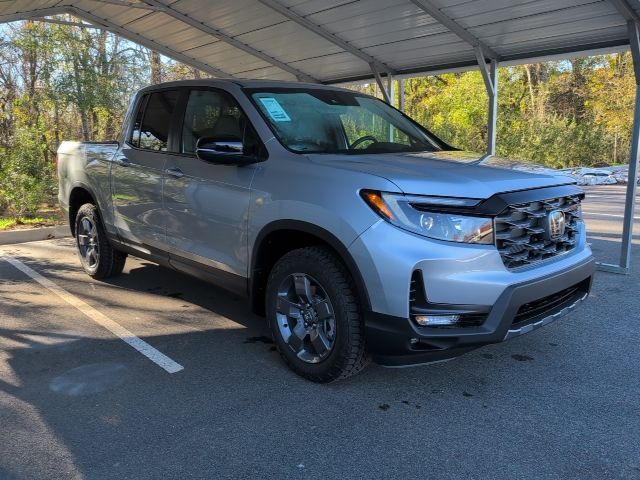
[(314, 315), (98, 258)]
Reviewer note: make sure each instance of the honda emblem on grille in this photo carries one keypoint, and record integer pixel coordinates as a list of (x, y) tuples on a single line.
[(555, 224)]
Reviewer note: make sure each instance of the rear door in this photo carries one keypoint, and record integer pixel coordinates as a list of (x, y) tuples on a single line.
[(138, 170), (207, 205)]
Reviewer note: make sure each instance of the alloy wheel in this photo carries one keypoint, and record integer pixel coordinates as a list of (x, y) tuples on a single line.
[(88, 244), (306, 318)]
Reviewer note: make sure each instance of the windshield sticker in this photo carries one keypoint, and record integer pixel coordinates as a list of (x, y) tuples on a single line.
[(275, 110)]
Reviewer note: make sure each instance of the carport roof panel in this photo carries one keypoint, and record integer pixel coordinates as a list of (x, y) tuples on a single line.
[(336, 40)]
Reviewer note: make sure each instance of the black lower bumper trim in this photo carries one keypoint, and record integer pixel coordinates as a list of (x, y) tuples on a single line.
[(396, 341)]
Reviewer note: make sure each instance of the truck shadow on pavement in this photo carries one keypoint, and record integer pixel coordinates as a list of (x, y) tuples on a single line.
[(156, 280)]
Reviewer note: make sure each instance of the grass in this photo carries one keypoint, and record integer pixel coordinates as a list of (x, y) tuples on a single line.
[(6, 223), (44, 218), (10, 223)]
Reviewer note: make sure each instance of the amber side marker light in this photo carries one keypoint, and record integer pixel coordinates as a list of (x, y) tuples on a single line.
[(375, 201)]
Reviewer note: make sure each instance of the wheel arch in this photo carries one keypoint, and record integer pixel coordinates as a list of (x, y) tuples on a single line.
[(281, 236), (79, 195)]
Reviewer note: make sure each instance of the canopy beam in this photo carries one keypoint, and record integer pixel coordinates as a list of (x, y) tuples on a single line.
[(330, 37), (433, 11), (383, 89), (626, 10), (214, 32), (136, 38), (55, 21), (40, 12), (124, 3), (102, 23)]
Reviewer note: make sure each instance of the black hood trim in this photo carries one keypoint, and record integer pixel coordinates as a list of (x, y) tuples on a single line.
[(497, 203)]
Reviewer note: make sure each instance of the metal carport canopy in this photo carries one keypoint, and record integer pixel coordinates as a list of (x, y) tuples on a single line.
[(333, 41), (336, 41)]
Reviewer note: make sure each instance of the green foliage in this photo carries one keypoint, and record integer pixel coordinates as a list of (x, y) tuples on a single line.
[(26, 178), (559, 114), (57, 82), (7, 223), (452, 106)]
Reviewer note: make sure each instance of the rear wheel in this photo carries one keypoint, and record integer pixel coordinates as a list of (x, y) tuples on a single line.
[(98, 258), (314, 315)]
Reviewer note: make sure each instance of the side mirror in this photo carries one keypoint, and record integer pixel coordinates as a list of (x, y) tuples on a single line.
[(223, 151)]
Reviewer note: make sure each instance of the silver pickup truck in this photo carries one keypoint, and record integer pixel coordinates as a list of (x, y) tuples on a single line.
[(358, 233)]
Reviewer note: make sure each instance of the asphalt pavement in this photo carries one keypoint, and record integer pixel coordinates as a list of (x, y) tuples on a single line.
[(86, 389)]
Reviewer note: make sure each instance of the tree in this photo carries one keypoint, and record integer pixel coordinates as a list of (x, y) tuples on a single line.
[(63, 82)]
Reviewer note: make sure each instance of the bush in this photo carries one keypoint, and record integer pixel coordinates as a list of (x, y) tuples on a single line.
[(24, 195), (27, 179)]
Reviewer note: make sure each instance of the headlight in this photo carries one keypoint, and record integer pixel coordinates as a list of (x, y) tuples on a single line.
[(420, 215)]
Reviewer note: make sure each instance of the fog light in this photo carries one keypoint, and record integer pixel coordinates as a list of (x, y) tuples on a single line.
[(436, 320)]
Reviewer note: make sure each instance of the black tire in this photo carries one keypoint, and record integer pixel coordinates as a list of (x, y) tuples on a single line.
[(105, 261), (347, 354)]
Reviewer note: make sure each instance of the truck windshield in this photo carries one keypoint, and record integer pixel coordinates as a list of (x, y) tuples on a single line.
[(308, 120)]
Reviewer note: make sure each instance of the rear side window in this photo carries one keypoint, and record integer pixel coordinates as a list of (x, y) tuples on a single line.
[(135, 131), (156, 121)]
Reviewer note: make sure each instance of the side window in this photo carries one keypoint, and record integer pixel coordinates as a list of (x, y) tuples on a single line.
[(135, 132), (215, 114), (154, 131)]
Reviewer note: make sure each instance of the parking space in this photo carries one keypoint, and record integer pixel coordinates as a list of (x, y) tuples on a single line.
[(79, 400), (603, 211)]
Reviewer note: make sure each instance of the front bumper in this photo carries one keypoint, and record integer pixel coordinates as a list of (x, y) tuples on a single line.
[(398, 341)]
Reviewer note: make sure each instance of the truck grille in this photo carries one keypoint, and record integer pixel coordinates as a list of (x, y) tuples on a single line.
[(522, 231)]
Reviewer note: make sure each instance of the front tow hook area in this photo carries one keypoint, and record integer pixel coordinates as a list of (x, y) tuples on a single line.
[(515, 332)]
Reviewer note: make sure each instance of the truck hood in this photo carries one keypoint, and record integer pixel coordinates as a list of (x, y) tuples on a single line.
[(445, 173)]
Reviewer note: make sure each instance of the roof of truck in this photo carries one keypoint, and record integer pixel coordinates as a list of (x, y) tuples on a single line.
[(245, 83)]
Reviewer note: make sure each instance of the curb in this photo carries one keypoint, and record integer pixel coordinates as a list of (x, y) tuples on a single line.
[(34, 234)]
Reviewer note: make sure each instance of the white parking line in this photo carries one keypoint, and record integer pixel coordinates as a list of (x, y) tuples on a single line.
[(586, 212), (140, 345), (619, 198), (595, 196)]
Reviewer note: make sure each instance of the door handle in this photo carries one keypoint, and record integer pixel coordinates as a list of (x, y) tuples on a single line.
[(174, 172), (123, 162)]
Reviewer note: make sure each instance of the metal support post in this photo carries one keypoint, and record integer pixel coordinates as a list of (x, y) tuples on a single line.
[(490, 77), (376, 74), (493, 110), (632, 184), (392, 97), (402, 94), (632, 180)]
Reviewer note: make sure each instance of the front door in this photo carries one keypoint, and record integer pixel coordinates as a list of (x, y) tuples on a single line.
[(207, 205), (138, 171)]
